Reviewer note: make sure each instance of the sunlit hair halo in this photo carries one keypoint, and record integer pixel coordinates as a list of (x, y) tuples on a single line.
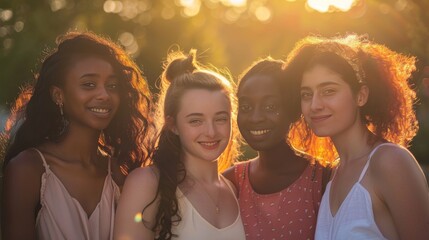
[(388, 113), (347, 49)]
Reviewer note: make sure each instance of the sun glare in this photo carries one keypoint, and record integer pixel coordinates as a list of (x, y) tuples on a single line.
[(331, 5), (235, 3)]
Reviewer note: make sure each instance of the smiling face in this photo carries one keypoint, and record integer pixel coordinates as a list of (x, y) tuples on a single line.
[(90, 93), (327, 102), (203, 124), (261, 118)]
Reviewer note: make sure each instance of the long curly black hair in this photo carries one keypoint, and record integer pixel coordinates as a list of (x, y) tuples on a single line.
[(35, 118)]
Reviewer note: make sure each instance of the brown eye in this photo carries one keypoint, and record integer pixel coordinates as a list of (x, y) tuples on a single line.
[(245, 108), (270, 108), (306, 95)]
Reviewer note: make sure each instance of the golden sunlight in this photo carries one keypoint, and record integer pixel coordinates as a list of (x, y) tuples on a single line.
[(331, 5), (191, 7), (235, 3)]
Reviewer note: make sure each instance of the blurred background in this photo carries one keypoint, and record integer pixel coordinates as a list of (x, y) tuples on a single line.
[(230, 34)]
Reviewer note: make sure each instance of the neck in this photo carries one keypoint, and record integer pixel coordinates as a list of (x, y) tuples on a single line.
[(78, 145), (202, 171), (278, 158), (354, 145)]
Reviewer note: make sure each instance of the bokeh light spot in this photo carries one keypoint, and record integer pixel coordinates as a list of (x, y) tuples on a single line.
[(168, 13), (263, 13), (234, 3), (6, 15), (58, 5), (19, 26), (3, 31), (138, 217), (7, 43)]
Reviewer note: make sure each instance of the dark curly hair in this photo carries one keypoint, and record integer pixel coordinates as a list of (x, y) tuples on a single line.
[(388, 113), (182, 73), (35, 118)]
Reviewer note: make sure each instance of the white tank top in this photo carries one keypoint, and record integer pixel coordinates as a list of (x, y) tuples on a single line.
[(354, 218), (194, 226)]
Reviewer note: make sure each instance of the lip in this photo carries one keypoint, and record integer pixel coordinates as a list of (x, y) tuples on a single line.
[(210, 145), (320, 118), (101, 111)]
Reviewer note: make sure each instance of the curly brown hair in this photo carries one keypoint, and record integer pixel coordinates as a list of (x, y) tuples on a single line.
[(388, 113)]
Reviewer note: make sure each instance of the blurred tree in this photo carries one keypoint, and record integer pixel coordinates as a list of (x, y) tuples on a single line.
[(227, 34)]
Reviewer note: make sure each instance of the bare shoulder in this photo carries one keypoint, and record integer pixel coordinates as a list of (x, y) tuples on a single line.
[(230, 173), (21, 194), (394, 160), (389, 159), (400, 185), (27, 163), (142, 182), (139, 195)]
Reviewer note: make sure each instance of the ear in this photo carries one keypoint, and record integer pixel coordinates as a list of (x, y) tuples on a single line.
[(362, 96), (56, 94), (170, 124)]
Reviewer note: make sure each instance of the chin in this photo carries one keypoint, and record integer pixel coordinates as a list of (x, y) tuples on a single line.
[(260, 147), (322, 133)]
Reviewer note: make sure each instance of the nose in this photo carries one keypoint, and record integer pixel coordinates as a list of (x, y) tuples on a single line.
[(257, 115), (103, 93), (211, 129), (316, 103)]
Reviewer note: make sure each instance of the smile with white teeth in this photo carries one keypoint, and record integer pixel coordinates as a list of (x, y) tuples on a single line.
[(208, 144), (100, 110), (259, 132)]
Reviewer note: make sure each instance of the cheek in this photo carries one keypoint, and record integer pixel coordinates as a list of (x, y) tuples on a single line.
[(116, 99), (240, 119), (305, 108)]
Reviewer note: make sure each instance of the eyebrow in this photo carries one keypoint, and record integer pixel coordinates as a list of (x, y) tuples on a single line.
[(269, 96), (96, 75), (200, 114), (324, 84)]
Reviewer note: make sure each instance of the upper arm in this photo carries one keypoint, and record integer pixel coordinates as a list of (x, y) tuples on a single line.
[(138, 192), (230, 175), (21, 195), (402, 186)]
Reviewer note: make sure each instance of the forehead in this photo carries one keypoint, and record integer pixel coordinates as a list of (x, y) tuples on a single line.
[(258, 85), (204, 101), (90, 64), (321, 75)]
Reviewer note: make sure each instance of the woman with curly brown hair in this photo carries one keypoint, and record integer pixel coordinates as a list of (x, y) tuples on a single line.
[(85, 124), (181, 195), (357, 106)]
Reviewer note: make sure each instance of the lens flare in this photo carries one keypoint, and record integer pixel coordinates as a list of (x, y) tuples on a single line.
[(138, 217)]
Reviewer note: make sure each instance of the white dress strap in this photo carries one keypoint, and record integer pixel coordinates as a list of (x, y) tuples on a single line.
[(45, 164), (365, 168)]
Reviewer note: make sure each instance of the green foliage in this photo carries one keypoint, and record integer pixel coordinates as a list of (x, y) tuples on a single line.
[(225, 36)]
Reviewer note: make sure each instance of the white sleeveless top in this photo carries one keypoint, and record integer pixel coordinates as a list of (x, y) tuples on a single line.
[(62, 216), (354, 218), (194, 226)]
